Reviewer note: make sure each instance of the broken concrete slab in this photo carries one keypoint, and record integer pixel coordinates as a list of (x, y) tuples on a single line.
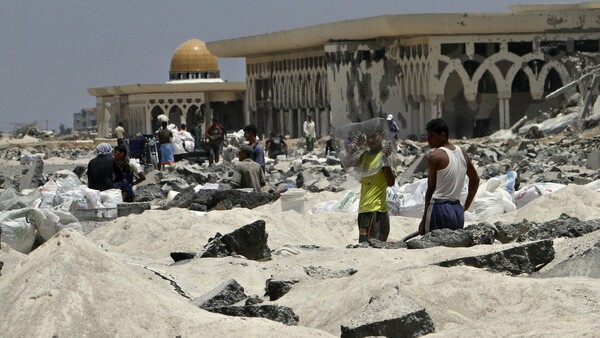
[(320, 272), (197, 207), (517, 260), (585, 265), (253, 300), (506, 232), (148, 192), (441, 237), (481, 233), (228, 293), (249, 241), (389, 314), (418, 165), (278, 313), (194, 172), (33, 175), (212, 197), (375, 243), (132, 208), (181, 256), (276, 289), (564, 226), (593, 160)]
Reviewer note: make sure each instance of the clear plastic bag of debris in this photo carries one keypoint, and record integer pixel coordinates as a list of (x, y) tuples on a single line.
[(365, 147)]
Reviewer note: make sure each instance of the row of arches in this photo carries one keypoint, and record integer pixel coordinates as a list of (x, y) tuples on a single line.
[(504, 73), (177, 115), (285, 91)]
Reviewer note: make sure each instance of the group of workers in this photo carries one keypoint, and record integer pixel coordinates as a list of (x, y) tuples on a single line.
[(448, 166), (112, 169)]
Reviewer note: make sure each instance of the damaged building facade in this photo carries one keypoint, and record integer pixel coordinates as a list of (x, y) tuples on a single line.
[(194, 92), (480, 71)]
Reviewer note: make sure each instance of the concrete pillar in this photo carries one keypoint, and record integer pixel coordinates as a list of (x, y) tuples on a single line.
[(501, 113), (318, 123), (422, 117), (246, 117), (507, 113), (287, 122), (411, 120), (281, 122), (504, 113), (326, 122), (301, 118)]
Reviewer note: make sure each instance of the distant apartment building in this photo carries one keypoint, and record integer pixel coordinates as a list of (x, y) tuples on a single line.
[(85, 120)]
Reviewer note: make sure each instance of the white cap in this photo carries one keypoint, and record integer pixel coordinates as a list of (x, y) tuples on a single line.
[(390, 117)]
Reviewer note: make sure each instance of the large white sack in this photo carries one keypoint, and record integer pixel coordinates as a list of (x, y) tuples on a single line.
[(45, 222), (49, 222), (532, 191), (17, 232), (29, 197), (493, 197), (67, 182), (407, 200), (111, 198), (8, 199)]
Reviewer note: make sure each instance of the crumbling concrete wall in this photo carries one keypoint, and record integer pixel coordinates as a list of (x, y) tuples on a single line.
[(363, 81), (479, 84)]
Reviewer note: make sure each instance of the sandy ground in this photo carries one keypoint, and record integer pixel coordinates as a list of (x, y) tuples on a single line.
[(106, 284)]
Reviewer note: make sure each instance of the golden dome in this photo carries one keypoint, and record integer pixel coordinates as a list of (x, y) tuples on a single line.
[(191, 56)]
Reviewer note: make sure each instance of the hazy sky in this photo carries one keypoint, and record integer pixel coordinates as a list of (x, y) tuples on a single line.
[(52, 51)]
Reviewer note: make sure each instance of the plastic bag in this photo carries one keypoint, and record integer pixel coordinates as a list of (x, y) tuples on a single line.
[(532, 191), (8, 199), (368, 137), (326, 206), (407, 200), (68, 183), (17, 232)]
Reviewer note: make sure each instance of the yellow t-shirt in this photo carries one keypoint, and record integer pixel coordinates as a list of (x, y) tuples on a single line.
[(373, 190)]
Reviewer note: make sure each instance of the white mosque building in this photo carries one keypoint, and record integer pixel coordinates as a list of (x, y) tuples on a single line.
[(194, 92)]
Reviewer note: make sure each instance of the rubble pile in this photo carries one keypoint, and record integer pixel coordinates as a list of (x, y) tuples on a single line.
[(516, 169)]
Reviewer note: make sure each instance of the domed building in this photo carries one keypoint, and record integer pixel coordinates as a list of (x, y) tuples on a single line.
[(194, 93), (192, 62)]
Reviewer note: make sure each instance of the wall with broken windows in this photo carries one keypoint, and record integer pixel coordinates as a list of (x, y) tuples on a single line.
[(283, 89), (479, 84)]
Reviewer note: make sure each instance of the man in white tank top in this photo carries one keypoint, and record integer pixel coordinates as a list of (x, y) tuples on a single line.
[(448, 165)]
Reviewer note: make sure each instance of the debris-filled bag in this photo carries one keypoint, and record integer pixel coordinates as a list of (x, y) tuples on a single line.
[(17, 231), (494, 197), (532, 191), (407, 200), (8, 200)]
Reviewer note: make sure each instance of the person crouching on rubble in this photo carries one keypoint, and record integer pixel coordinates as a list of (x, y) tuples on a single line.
[(102, 170), (276, 145), (448, 165), (133, 173), (248, 174), (377, 165)]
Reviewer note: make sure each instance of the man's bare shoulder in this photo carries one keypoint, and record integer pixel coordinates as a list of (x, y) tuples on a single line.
[(437, 154)]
